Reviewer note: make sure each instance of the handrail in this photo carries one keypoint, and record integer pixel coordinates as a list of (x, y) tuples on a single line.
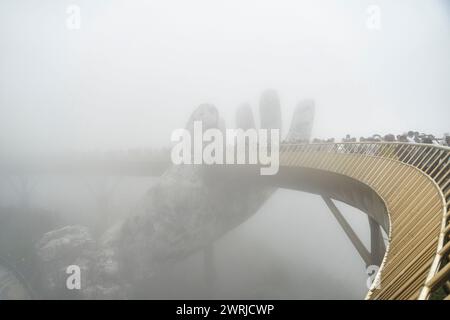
[(434, 166), (290, 143)]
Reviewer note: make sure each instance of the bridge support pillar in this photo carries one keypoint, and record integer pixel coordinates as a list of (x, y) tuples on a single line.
[(377, 247), (357, 243)]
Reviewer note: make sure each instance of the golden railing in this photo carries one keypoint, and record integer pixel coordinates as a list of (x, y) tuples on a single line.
[(414, 182)]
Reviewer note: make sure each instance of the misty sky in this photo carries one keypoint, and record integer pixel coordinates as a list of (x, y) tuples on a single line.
[(136, 69)]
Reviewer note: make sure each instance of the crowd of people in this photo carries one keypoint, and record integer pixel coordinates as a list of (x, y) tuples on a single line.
[(411, 137)]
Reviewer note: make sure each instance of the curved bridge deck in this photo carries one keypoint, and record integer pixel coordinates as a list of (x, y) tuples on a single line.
[(413, 182)]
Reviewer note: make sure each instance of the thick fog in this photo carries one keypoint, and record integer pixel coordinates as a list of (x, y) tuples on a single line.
[(132, 72)]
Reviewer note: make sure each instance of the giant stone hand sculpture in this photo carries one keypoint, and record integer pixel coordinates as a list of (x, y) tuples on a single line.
[(186, 210)]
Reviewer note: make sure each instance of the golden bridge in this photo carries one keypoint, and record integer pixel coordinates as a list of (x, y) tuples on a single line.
[(404, 188)]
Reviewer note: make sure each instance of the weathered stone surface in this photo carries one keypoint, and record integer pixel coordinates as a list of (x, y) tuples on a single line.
[(270, 110), (187, 209), (11, 288), (61, 248), (302, 122)]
